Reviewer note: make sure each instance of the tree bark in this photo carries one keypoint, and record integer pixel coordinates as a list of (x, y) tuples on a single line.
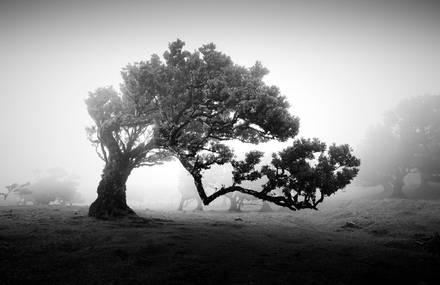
[(111, 201)]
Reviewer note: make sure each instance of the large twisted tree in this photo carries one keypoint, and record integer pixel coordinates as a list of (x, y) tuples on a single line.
[(123, 137), (192, 104)]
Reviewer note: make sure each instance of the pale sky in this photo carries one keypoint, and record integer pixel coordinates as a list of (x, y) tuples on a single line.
[(341, 64)]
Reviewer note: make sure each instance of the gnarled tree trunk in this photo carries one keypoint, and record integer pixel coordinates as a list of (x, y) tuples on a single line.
[(111, 201)]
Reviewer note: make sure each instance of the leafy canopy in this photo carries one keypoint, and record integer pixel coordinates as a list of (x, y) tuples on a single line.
[(203, 98)]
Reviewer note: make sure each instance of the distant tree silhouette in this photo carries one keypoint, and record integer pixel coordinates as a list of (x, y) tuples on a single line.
[(385, 162), (237, 200), (187, 107), (417, 123), (15, 188), (56, 186), (187, 191), (407, 141)]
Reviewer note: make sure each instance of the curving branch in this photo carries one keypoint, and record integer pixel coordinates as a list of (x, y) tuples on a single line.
[(296, 179)]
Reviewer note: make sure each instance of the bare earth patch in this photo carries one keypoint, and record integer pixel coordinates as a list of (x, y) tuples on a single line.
[(361, 242)]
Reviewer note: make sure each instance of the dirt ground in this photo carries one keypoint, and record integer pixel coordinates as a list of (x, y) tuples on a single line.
[(362, 242)]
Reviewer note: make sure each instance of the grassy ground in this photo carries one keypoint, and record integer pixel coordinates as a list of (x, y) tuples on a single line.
[(362, 242)]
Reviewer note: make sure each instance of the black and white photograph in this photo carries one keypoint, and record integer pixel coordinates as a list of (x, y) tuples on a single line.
[(220, 142)]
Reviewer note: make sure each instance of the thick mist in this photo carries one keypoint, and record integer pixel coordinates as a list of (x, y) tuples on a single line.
[(340, 64), (79, 74)]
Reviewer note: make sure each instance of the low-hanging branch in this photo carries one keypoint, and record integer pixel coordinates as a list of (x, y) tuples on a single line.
[(306, 169)]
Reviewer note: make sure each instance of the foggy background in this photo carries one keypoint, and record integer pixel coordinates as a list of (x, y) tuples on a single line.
[(341, 64)]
